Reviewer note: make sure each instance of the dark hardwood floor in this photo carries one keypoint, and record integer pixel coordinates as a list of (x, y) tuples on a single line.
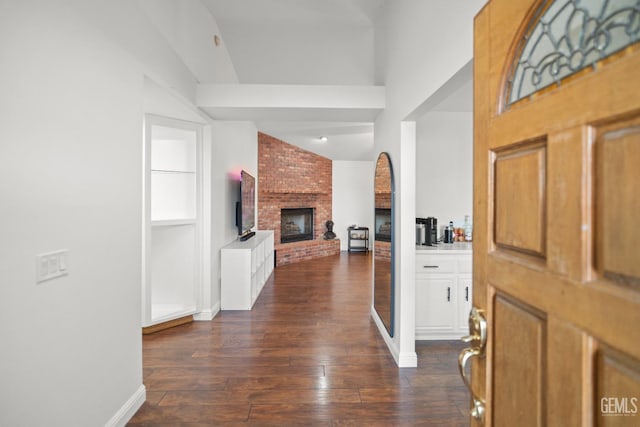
[(307, 354)]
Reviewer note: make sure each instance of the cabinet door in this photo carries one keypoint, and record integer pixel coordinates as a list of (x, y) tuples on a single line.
[(237, 280), (464, 303), (435, 304)]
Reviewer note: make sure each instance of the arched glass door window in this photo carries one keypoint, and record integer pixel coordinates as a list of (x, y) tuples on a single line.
[(567, 36)]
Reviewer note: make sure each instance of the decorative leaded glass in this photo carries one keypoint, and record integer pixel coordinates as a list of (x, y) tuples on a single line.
[(568, 36)]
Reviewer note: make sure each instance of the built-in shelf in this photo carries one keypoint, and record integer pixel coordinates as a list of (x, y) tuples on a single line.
[(171, 171), (173, 195), (171, 285), (173, 222)]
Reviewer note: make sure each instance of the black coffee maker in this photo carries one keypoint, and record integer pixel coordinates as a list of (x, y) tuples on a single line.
[(430, 232)]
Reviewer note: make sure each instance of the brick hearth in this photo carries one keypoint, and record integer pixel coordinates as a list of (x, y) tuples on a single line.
[(289, 177), (288, 253)]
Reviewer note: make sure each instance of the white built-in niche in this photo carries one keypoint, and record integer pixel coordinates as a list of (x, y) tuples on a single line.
[(172, 243)]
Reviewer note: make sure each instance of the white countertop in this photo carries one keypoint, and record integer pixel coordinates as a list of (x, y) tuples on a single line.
[(446, 248)]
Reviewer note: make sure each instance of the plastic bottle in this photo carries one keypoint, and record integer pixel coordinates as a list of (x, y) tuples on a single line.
[(467, 229), (451, 235)]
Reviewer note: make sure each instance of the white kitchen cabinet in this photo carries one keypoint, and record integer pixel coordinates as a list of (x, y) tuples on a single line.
[(465, 288), (443, 291), (436, 313), (245, 268)]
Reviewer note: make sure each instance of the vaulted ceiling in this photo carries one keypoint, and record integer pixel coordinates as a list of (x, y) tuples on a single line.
[(313, 42), (295, 42)]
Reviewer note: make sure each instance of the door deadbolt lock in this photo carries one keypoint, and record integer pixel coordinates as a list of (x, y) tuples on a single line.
[(477, 337)]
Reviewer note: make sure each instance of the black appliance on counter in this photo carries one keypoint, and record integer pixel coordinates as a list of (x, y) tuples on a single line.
[(427, 231)]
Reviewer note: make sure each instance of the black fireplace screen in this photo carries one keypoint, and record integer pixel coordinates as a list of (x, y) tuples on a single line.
[(383, 225), (296, 225)]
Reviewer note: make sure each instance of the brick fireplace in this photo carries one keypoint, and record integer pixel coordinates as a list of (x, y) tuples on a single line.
[(292, 178)]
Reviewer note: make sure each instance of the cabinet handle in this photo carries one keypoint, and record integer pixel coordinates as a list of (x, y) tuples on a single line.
[(448, 294), (466, 293), (430, 266)]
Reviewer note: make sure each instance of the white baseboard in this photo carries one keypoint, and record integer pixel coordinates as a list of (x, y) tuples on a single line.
[(129, 409), (208, 314), (426, 334), (404, 359), (408, 359), (393, 349)]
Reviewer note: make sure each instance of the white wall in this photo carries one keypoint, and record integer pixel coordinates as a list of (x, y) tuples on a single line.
[(70, 178), (444, 166), (322, 53), (426, 43), (189, 28), (163, 101), (158, 36), (125, 24), (75, 88), (235, 147), (353, 201)]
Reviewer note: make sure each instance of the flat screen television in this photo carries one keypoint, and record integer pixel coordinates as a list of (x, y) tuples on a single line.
[(246, 207)]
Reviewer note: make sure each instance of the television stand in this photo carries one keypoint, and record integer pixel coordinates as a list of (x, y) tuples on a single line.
[(247, 236), (245, 269)]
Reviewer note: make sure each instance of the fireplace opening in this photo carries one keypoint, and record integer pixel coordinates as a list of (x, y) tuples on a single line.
[(296, 225), (383, 225)]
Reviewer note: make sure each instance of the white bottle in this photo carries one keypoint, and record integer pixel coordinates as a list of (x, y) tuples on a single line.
[(467, 229)]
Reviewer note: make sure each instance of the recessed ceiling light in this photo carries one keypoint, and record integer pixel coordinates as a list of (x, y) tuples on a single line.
[(323, 139)]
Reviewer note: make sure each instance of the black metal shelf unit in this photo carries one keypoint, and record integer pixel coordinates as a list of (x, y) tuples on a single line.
[(358, 239)]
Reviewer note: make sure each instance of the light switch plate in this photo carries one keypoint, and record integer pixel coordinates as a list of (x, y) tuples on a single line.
[(51, 265)]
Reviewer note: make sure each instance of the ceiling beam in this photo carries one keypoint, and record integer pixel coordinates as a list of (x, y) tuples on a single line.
[(292, 102)]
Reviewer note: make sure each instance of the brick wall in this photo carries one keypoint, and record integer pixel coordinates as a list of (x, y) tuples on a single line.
[(383, 250), (383, 183), (290, 177), (285, 168)]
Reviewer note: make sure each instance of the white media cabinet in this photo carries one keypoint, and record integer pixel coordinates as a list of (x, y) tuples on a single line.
[(245, 268)]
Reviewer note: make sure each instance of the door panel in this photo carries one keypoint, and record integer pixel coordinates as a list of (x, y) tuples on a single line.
[(569, 355), (618, 201), (556, 193), (618, 382), (520, 199), (520, 344)]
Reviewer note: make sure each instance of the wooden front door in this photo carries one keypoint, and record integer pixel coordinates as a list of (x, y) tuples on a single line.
[(557, 212)]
